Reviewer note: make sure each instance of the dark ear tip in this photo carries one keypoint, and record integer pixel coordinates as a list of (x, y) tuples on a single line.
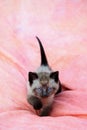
[(33, 75), (29, 74), (55, 75), (57, 72)]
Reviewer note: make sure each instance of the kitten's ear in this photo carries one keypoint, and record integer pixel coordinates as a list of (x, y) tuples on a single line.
[(32, 76), (55, 76)]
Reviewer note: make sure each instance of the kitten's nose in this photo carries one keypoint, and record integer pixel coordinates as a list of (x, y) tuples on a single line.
[(44, 92)]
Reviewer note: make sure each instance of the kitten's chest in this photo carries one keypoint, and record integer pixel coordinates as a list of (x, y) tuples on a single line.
[(47, 101)]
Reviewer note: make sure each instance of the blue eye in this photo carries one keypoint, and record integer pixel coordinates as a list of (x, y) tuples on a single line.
[(38, 90), (50, 90)]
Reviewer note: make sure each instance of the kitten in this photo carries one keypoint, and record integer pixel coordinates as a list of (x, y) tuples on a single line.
[(43, 85)]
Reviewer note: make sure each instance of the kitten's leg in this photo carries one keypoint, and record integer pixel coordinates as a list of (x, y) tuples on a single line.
[(35, 102), (45, 111)]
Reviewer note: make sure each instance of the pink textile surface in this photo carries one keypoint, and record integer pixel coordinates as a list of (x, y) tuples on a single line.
[(62, 28)]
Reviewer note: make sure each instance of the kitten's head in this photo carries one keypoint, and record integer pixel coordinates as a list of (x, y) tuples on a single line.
[(44, 84)]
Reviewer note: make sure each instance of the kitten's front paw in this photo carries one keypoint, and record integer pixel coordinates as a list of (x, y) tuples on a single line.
[(45, 111), (37, 104)]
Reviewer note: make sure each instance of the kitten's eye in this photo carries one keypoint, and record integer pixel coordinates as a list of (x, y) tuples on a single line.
[(50, 90), (38, 90)]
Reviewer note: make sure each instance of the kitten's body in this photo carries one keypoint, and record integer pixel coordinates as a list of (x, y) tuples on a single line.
[(43, 85)]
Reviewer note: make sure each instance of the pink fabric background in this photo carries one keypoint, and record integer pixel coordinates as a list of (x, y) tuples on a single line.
[(62, 28)]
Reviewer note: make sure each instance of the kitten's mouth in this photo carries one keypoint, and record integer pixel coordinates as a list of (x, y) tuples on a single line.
[(45, 96)]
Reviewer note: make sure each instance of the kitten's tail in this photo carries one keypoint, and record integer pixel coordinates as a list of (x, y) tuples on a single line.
[(43, 55)]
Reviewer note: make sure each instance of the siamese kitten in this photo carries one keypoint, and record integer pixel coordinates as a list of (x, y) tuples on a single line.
[(43, 85)]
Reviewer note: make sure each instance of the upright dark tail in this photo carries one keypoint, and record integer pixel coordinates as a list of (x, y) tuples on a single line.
[(43, 56)]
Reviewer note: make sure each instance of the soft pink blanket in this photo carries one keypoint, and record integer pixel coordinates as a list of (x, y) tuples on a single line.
[(62, 28)]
